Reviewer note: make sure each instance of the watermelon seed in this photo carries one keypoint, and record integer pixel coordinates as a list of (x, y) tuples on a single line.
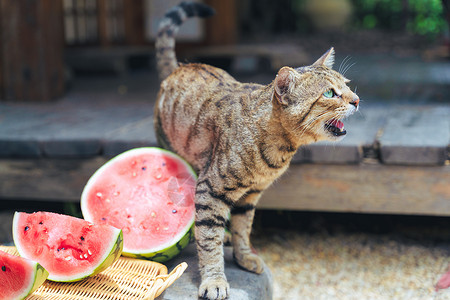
[(174, 211), (163, 164), (153, 214), (27, 228), (158, 176), (40, 223), (134, 174), (89, 251), (103, 219), (116, 193), (68, 258), (82, 238), (85, 255), (107, 200), (144, 168), (166, 228), (3, 268), (99, 194), (81, 256)]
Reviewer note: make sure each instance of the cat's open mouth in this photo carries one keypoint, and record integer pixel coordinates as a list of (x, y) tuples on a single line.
[(335, 127)]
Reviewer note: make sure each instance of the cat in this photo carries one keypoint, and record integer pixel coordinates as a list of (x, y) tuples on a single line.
[(239, 137)]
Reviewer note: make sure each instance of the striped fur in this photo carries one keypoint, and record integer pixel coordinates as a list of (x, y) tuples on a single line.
[(165, 43), (240, 137)]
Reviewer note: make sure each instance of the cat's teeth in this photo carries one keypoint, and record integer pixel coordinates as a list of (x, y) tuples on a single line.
[(336, 127)]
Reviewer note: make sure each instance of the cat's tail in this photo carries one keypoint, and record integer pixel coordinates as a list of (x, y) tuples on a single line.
[(165, 42)]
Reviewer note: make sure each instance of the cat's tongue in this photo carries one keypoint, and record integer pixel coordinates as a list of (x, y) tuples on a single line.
[(336, 123), (336, 127)]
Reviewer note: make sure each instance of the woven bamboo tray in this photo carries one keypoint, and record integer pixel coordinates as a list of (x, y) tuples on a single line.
[(126, 279)]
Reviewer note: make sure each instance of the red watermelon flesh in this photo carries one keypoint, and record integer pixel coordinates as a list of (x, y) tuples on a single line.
[(68, 248), (148, 193), (19, 276)]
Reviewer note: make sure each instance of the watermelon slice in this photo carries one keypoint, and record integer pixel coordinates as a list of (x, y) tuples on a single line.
[(19, 276), (69, 248), (149, 194)]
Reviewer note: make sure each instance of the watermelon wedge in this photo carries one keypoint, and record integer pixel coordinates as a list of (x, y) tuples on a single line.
[(149, 194), (69, 248), (19, 276)]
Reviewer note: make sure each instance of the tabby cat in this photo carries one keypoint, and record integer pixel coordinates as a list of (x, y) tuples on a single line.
[(239, 137)]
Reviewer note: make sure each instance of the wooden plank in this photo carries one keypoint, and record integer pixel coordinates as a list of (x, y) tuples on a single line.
[(102, 23), (221, 29), (338, 188), (31, 61), (362, 188), (46, 179), (133, 15)]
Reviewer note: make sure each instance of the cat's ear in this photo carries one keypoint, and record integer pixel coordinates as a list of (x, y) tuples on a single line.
[(283, 84), (326, 60)]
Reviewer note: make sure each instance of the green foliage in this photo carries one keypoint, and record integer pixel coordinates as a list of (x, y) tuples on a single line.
[(424, 17)]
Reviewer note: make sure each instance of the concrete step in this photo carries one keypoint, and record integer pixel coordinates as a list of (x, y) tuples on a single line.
[(391, 134), (244, 285)]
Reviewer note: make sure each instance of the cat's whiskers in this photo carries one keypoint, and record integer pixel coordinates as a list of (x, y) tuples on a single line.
[(308, 125), (343, 63), (347, 68)]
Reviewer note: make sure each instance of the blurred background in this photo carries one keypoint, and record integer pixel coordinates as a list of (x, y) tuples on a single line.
[(46, 45), (366, 218)]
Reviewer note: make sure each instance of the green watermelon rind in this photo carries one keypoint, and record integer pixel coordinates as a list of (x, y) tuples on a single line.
[(167, 253), (108, 258), (40, 274), (39, 278), (168, 250)]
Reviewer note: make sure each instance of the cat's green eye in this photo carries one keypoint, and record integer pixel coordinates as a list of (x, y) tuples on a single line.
[(329, 93)]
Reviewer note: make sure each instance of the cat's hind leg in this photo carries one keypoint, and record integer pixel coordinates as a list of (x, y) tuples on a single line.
[(241, 226)]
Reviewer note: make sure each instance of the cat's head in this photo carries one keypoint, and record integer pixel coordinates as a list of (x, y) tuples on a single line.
[(312, 101)]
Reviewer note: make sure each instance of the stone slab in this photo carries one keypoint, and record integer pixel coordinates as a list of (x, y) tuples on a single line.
[(18, 147), (69, 129), (416, 136), (244, 285), (135, 134), (71, 147)]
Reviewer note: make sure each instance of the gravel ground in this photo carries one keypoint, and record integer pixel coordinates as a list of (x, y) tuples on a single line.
[(356, 265)]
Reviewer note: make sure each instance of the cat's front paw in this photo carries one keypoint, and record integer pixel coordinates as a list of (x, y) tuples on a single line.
[(250, 261), (214, 288)]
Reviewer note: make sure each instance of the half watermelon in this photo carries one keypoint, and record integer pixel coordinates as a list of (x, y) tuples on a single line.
[(19, 276), (69, 248), (149, 194)]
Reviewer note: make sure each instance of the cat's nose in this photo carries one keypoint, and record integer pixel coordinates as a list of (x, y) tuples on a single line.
[(355, 102)]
